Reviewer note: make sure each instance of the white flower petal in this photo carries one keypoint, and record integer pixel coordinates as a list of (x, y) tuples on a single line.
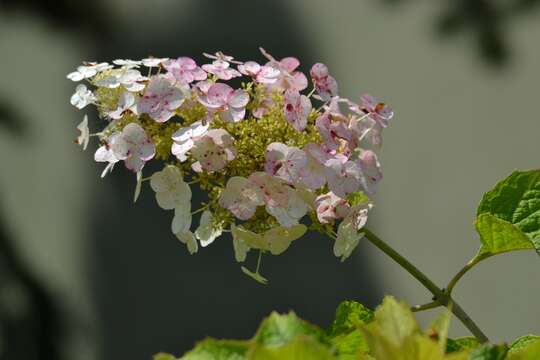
[(208, 230)]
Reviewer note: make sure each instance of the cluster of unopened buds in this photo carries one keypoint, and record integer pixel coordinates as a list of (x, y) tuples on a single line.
[(271, 163)]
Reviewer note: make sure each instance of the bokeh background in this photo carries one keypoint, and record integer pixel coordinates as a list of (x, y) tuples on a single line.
[(87, 275)]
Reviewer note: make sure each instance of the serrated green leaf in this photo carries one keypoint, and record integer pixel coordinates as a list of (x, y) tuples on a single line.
[(395, 335), (510, 208), (498, 236), (277, 330), (348, 315), (489, 352), (301, 348), (344, 334), (523, 342), (531, 351), (211, 349), (395, 320), (460, 344)]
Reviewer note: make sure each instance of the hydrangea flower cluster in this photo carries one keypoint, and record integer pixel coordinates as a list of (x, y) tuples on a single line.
[(273, 159)]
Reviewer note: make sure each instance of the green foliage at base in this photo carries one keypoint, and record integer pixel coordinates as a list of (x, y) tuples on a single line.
[(388, 333)]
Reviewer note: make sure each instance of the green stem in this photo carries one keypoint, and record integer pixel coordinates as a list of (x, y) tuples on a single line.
[(463, 271), (438, 294), (430, 305)]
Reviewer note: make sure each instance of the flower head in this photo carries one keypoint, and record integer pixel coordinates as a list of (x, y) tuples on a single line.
[(272, 160)]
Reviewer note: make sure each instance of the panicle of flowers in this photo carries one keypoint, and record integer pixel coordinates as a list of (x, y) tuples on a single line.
[(273, 158)]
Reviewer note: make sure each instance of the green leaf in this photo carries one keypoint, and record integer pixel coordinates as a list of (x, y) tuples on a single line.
[(301, 348), (344, 334), (508, 217), (395, 320), (357, 198), (277, 330), (523, 342), (460, 344), (438, 329), (164, 356), (348, 315), (489, 352), (529, 351), (211, 349), (395, 335), (498, 236)]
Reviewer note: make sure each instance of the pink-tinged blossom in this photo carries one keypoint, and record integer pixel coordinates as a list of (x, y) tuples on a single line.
[(82, 97), (105, 154), (160, 99), (378, 111), (184, 70), (261, 74), (133, 146), (213, 151), (274, 189), (334, 127), (289, 78), (130, 79), (282, 201), (88, 70), (221, 69), (241, 197), (127, 104), (371, 170), (221, 56), (330, 207), (368, 129), (185, 137), (325, 84), (285, 162), (223, 99), (343, 176), (297, 109), (313, 175)]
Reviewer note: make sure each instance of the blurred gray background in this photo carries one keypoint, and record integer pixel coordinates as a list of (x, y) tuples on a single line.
[(85, 275)]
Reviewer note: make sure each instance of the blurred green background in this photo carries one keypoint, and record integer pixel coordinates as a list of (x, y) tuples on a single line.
[(86, 275)]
